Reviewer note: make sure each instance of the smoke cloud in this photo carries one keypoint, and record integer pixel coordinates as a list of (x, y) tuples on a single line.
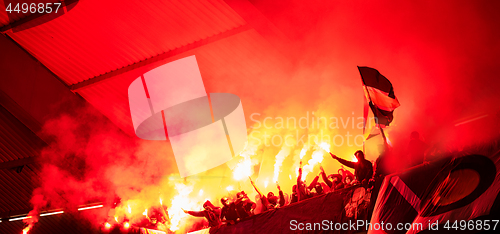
[(441, 57)]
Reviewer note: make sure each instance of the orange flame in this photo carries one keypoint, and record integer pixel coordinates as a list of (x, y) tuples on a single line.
[(325, 146), (354, 159), (243, 169), (303, 151), (316, 158), (179, 202), (280, 157)]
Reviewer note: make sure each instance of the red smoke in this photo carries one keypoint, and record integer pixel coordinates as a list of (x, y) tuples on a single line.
[(441, 57), (90, 160)]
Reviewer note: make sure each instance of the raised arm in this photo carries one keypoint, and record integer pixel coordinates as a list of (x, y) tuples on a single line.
[(299, 177), (255, 187), (325, 178), (313, 183), (282, 196), (343, 161), (300, 187), (195, 213)]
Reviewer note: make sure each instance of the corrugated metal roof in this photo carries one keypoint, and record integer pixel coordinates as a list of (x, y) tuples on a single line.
[(97, 37), (16, 142), (246, 56)]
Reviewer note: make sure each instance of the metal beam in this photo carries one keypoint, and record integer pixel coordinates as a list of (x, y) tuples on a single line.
[(35, 59), (167, 56), (18, 163), (9, 105)]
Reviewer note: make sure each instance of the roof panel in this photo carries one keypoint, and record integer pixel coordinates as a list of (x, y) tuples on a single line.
[(97, 37), (17, 140), (238, 59)]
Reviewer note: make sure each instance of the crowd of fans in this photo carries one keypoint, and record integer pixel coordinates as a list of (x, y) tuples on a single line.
[(242, 207)]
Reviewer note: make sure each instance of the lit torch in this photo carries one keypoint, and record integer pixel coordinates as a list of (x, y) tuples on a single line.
[(303, 152), (354, 159), (280, 157), (243, 169), (316, 158), (325, 146), (180, 201)]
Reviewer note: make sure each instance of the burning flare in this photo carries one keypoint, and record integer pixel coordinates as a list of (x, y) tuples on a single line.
[(303, 151), (316, 158), (179, 202), (325, 146), (244, 168), (280, 157)]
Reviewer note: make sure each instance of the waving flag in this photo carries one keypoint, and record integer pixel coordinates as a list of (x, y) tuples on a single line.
[(380, 95)]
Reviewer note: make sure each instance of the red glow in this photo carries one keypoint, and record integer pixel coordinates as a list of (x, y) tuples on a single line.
[(439, 71)]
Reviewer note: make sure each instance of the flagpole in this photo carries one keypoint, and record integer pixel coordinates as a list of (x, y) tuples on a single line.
[(370, 98), (365, 120)]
